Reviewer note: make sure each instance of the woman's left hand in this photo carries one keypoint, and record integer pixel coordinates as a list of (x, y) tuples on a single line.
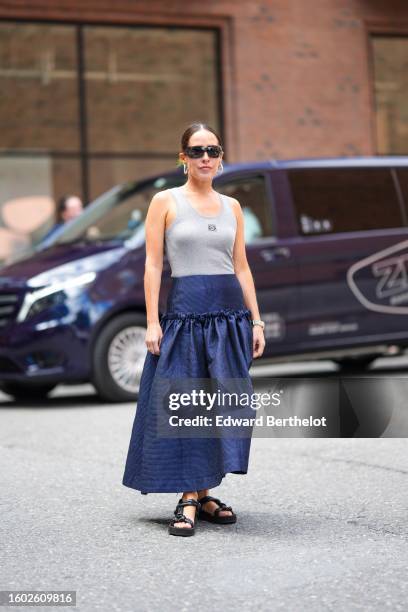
[(258, 341)]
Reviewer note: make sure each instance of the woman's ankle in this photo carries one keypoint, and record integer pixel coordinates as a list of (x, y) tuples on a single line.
[(190, 495)]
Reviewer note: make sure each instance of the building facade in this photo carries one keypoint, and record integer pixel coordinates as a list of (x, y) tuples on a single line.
[(95, 93)]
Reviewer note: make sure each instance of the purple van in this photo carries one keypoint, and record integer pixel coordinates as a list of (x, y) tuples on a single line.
[(326, 239)]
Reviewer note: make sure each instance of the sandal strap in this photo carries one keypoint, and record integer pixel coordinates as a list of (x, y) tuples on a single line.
[(178, 513), (221, 504), (223, 507), (208, 498), (181, 518), (188, 502)]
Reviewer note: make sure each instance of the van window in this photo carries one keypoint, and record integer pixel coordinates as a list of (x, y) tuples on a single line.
[(118, 215), (251, 194), (402, 174), (329, 200)]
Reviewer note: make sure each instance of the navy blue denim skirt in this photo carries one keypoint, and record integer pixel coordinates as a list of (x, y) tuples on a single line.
[(207, 333)]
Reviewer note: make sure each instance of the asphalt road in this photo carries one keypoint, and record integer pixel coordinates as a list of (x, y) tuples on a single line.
[(322, 522)]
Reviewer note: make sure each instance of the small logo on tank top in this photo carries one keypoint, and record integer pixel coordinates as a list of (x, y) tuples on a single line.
[(212, 227)]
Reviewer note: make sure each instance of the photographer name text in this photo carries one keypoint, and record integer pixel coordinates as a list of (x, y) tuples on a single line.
[(259, 421)]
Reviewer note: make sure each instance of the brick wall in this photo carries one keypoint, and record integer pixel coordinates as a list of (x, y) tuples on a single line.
[(296, 75)]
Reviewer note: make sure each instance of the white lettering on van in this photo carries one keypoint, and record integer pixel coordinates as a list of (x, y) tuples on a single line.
[(391, 267), (393, 273)]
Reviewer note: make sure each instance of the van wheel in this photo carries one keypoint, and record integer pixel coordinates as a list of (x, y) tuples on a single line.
[(356, 363), (26, 391), (118, 358)]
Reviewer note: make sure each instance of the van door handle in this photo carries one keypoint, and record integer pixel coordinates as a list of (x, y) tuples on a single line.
[(275, 253)]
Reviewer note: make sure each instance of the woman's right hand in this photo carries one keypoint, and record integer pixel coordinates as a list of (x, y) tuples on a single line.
[(153, 338)]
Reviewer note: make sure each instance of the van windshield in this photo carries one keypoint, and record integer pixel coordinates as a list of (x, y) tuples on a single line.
[(118, 215)]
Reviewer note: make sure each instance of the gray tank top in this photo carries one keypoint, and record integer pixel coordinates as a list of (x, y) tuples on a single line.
[(200, 244)]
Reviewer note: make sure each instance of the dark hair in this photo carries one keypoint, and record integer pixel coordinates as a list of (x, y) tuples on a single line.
[(192, 129), (62, 204)]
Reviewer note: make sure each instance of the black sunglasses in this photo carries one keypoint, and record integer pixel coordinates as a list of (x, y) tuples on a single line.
[(198, 151)]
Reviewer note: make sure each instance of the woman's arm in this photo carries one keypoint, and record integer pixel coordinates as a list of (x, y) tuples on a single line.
[(154, 230), (245, 278)]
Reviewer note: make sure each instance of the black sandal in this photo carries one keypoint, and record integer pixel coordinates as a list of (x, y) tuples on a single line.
[(215, 518), (179, 516)]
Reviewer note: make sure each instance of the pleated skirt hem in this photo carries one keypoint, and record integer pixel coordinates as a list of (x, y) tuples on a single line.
[(168, 486)]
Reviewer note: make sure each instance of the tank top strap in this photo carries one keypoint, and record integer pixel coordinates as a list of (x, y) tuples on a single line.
[(183, 209), (228, 210), (225, 203)]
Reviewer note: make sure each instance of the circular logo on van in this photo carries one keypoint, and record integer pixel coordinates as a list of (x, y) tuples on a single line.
[(380, 281)]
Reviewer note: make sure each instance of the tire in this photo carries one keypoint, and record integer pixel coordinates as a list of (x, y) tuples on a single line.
[(356, 363), (118, 357), (27, 391)]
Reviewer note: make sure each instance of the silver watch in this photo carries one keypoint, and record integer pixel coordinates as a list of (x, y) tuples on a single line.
[(258, 322)]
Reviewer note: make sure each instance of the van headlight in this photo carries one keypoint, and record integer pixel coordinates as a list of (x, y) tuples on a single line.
[(47, 297)]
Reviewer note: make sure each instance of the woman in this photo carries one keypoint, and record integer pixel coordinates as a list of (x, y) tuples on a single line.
[(69, 207), (211, 330)]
